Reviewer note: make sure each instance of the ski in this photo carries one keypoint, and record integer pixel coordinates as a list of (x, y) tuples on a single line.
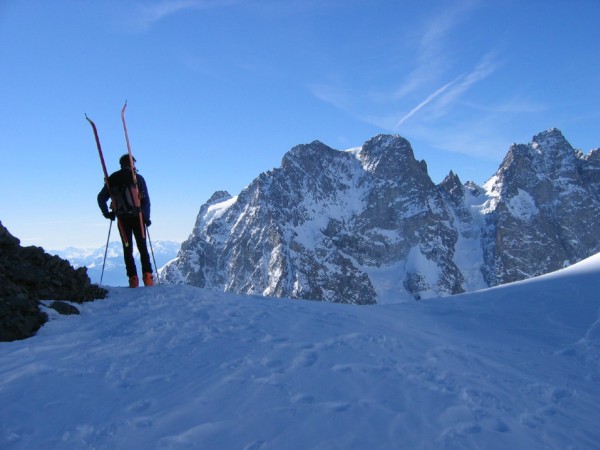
[(121, 232), (135, 193), (99, 149)]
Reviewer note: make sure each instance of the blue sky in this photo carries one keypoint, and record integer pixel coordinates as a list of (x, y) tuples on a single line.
[(219, 90)]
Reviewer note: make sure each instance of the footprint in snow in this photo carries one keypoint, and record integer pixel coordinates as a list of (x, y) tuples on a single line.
[(140, 405), (305, 359), (302, 399)]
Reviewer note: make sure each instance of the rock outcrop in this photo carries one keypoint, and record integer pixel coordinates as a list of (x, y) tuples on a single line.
[(28, 275)]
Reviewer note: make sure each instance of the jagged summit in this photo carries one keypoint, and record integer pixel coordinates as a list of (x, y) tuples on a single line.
[(369, 225), (548, 157), (306, 155), (218, 197), (550, 139), (303, 152), (388, 156), (452, 184)]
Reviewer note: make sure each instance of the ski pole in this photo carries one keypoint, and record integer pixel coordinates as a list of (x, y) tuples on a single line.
[(152, 251), (105, 251)]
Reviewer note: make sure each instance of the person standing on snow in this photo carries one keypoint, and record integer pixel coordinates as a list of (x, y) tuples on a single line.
[(127, 215)]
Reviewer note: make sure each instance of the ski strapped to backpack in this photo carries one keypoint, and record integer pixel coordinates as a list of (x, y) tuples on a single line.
[(113, 200), (134, 191), (124, 194)]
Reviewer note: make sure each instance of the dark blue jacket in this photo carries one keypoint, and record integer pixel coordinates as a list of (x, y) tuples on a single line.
[(124, 177)]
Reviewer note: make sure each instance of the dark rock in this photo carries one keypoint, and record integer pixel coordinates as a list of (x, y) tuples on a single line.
[(29, 274), (66, 309), (20, 318)]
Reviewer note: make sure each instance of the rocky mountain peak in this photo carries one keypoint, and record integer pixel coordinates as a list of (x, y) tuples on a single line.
[(389, 156), (549, 156), (452, 185), (218, 197), (309, 158), (548, 140), (594, 155)]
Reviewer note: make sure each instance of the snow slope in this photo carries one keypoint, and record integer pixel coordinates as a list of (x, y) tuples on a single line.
[(171, 367)]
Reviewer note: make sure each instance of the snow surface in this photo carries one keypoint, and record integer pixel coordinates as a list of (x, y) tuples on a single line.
[(171, 367), (216, 210), (522, 206), (468, 252)]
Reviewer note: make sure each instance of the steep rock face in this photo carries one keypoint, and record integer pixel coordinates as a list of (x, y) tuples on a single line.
[(403, 219), (315, 227), (369, 225), (590, 171), (543, 210), (256, 243)]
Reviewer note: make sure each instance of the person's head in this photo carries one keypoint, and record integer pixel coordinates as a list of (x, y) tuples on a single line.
[(124, 160)]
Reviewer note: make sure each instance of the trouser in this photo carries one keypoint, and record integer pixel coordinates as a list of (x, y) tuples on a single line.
[(131, 226)]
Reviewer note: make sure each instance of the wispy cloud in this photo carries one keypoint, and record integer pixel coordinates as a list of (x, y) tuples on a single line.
[(444, 99), (431, 59), (333, 95), (149, 14), (157, 11), (431, 66), (485, 68), (451, 91)]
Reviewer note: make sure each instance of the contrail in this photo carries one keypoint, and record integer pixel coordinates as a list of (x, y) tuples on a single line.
[(428, 100)]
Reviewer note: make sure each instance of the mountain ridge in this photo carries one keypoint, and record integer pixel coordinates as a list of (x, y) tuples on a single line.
[(369, 225)]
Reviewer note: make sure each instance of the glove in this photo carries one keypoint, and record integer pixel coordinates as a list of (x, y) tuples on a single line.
[(147, 222), (110, 215)]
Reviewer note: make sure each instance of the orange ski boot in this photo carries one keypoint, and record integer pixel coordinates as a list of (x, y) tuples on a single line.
[(147, 277), (134, 281)]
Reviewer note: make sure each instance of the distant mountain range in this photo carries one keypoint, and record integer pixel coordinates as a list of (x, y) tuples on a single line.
[(114, 272), (369, 225)]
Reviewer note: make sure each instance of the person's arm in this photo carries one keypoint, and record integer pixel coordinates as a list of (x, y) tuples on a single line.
[(103, 197)]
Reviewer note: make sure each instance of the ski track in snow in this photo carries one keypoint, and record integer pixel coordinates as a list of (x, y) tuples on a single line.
[(176, 367)]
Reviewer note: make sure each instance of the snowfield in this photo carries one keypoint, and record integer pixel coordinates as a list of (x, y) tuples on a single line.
[(173, 367)]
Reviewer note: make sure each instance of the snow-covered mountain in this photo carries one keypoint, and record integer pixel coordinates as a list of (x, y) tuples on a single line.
[(114, 271), (543, 211), (369, 225), (173, 367)]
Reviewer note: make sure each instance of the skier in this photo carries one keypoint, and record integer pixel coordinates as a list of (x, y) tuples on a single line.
[(123, 190)]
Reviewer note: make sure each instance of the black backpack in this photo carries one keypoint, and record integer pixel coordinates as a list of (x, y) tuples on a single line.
[(125, 194)]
